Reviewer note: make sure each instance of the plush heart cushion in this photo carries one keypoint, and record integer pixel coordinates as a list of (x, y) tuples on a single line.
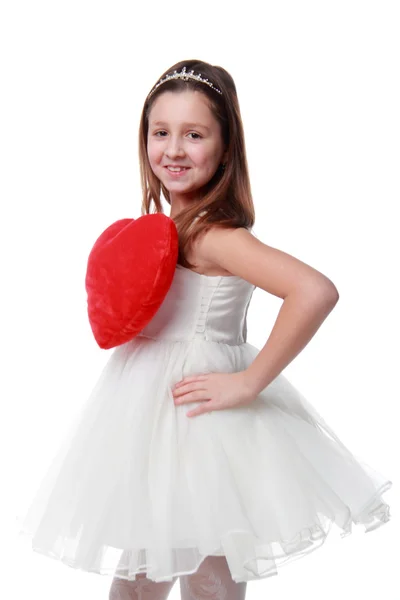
[(129, 272)]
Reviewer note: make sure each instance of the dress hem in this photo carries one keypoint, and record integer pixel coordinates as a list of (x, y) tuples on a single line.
[(305, 542)]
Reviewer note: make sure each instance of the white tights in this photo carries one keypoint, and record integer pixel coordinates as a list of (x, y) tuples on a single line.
[(212, 580)]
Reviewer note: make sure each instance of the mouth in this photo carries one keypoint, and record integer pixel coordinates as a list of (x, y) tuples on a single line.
[(176, 171)]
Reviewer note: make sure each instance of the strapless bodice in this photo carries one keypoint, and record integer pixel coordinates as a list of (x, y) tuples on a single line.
[(209, 307)]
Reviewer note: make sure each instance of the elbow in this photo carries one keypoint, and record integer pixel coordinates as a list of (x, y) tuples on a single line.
[(321, 291), (328, 293)]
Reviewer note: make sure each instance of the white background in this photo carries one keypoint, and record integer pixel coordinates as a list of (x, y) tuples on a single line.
[(318, 85)]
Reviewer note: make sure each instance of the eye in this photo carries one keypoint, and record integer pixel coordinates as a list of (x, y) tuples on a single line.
[(192, 133)]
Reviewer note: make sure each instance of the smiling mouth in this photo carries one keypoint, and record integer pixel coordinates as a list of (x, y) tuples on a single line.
[(176, 169)]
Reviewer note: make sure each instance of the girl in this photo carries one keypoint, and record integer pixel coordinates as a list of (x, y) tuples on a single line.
[(195, 457)]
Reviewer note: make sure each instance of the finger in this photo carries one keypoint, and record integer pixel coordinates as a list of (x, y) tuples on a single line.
[(191, 378), (194, 396), (198, 411), (188, 388)]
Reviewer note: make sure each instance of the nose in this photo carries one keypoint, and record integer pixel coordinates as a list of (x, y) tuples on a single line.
[(174, 147)]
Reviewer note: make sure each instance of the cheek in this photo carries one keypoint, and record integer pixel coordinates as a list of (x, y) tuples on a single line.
[(203, 159), (154, 155), (206, 157)]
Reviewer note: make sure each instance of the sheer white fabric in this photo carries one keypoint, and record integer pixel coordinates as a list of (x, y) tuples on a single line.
[(212, 581), (138, 487), (140, 588)]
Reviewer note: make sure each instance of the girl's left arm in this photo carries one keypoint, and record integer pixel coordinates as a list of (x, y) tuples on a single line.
[(299, 318), (308, 296)]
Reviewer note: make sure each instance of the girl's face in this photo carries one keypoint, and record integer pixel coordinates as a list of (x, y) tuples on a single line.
[(183, 132)]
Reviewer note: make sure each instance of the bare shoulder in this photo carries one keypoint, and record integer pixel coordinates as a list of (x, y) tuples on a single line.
[(238, 252)]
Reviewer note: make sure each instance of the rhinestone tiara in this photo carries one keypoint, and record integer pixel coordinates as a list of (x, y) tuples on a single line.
[(185, 75)]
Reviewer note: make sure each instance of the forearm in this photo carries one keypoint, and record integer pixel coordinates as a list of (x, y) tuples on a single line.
[(299, 318)]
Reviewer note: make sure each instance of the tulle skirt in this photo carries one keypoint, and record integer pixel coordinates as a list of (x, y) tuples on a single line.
[(137, 486)]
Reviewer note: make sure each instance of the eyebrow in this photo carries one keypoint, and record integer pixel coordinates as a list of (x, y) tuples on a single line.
[(195, 125)]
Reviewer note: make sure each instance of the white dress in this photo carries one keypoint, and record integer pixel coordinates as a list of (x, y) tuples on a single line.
[(138, 486)]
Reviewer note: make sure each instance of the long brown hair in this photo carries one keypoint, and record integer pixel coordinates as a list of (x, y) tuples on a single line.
[(226, 200)]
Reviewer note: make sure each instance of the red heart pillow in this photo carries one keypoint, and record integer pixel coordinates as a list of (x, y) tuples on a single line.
[(129, 272)]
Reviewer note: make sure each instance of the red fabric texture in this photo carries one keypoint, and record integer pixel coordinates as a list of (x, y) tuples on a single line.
[(129, 272)]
